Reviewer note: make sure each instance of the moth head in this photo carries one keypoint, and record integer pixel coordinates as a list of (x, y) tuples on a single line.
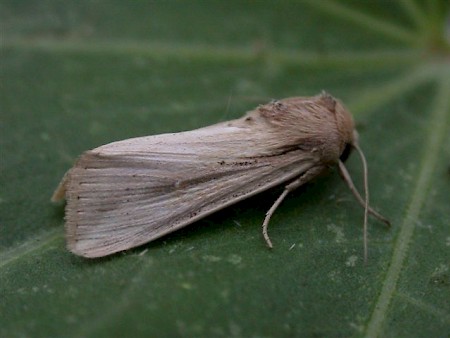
[(348, 136)]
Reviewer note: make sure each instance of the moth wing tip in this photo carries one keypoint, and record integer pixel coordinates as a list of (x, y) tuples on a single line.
[(88, 248), (74, 247)]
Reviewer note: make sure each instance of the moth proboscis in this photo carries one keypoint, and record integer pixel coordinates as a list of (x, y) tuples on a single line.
[(127, 193)]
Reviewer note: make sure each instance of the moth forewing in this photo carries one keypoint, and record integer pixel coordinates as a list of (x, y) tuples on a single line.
[(118, 200), (130, 192)]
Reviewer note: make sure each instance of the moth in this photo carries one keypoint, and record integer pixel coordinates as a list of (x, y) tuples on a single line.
[(127, 193)]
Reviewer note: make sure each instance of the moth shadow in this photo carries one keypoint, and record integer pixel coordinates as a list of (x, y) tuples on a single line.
[(244, 218)]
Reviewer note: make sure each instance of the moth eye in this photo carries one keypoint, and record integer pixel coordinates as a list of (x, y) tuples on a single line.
[(346, 153)]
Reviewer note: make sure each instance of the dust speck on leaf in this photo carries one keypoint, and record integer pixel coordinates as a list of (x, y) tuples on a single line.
[(351, 261), (186, 286), (234, 259), (340, 237), (211, 258), (440, 276)]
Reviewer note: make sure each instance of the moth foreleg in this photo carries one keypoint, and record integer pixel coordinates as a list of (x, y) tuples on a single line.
[(302, 179), (347, 178)]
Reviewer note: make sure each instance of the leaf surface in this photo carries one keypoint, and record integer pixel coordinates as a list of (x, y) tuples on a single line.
[(78, 74)]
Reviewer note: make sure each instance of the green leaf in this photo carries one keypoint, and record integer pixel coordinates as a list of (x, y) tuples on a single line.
[(78, 74)]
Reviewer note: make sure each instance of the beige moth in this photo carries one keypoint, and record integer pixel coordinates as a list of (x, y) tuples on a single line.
[(127, 193)]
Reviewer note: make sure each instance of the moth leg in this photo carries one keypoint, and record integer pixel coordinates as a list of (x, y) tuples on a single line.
[(346, 176), (305, 177)]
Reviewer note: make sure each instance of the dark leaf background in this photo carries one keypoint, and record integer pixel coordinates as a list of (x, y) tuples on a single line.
[(78, 74)]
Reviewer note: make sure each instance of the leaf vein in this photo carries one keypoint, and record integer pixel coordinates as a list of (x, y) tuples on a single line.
[(437, 131)]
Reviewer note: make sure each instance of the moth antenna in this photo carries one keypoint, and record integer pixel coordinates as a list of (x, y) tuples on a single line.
[(366, 194), (350, 184)]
